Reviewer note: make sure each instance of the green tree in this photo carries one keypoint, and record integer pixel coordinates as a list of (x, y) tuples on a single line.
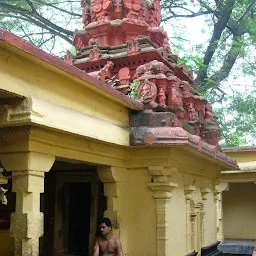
[(48, 24)]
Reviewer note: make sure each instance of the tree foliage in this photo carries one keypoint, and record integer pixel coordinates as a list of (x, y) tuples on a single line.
[(47, 24), (229, 24)]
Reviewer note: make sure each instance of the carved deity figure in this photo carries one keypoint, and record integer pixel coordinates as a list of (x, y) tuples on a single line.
[(147, 93), (68, 58), (133, 7), (124, 78), (191, 112), (86, 17), (139, 71), (94, 53), (133, 46), (105, 73), (175, 98), (100, 9), (208, 112), (154, 16), (161, 96), (118, 6)]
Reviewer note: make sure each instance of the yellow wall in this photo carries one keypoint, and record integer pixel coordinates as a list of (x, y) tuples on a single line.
[(25, 77), (5, 242), (240, 211), (141, 214)]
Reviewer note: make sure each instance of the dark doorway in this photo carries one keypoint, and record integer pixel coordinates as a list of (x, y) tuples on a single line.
[(73, 203), (79, 218)]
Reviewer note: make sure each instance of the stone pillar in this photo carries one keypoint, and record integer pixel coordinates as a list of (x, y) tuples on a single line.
[(27, 182), (162, 188), (219, 211), (188, 196), (111, 177), (204, 193)]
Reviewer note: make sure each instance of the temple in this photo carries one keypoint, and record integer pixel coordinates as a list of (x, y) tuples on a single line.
[(116, 130)]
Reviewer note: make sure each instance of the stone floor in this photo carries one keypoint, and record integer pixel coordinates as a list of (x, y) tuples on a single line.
[(240, 242), (239, 247)]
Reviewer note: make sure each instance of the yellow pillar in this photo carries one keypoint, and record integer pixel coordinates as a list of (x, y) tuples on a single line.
[(27, 182), (162, 187), (219, 211), (188, 196)]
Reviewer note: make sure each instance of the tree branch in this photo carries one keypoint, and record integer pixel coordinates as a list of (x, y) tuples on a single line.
[(37, 16), (228, 63), (219, 26), (193, 15), (33, 9)]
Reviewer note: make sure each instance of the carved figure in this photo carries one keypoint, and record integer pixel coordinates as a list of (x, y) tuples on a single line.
[(105, 73), (68, 58), (124, 78), (93, 41), (186, 89), (175, 98), (191, 112), (94, 53), (143, 13), (148, 69), (133, 7), (154, 16), (118, 8), (86, 17), (182, 67), (124, 75), (147, 93), (208, 112), (161, 96), (100, 9), (132, 46), (140, 71)]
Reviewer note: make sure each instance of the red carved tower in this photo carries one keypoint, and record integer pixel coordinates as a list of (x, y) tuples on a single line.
[(122, 39)]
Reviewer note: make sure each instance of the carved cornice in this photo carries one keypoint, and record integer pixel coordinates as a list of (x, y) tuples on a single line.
[(35, 111), (143, 135)]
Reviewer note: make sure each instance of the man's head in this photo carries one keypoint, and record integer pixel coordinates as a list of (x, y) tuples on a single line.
[(105, 227)]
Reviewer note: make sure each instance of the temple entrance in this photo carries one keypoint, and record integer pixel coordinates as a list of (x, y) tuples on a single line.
[(73, 204), (77, 216)]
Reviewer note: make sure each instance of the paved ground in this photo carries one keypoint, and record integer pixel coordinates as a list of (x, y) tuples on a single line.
[(240, 242), (238, 247)]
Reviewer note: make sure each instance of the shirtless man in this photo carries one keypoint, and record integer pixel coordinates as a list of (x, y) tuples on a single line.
[(106, 244)]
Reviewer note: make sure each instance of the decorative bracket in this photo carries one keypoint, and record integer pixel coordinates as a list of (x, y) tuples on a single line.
[(204, 193), (111, 177)]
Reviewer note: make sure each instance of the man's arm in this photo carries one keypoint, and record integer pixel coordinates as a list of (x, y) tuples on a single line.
[(96, 248), (119, 248)]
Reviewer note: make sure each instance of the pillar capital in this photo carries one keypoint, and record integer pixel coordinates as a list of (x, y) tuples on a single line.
[(112, 176), (27, 161), (205, 192), (188, 189)]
